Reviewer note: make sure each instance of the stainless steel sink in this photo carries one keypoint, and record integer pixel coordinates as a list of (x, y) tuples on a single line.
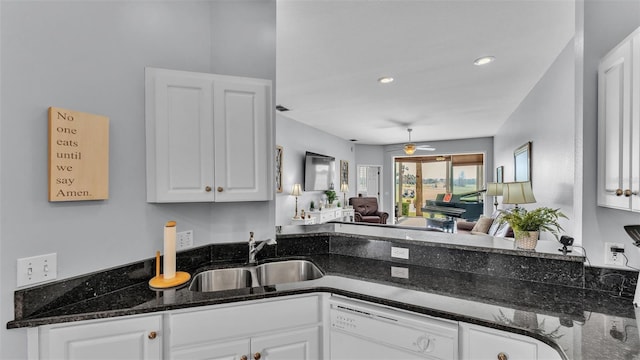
[(272, 273), (286, 272), (221, 279)]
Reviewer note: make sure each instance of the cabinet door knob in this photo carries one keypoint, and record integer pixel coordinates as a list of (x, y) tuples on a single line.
[(243, 357), (618, 192), (257, 356), (207, 188), (152, 335), (502, 356), (220, 189)]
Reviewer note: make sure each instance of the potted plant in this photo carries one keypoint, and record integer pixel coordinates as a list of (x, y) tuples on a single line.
[(527, 225), (331, 196), (312, 206)]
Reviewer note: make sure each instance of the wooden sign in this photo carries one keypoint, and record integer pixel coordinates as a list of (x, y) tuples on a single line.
[(78, 156)]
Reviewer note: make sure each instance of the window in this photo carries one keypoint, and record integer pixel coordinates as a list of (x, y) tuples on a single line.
[(422, 178)]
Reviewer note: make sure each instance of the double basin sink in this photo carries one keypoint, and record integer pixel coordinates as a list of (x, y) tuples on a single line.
[(272, 273)]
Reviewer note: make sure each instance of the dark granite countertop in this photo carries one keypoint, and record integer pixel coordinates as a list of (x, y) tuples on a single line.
[(572, 320)]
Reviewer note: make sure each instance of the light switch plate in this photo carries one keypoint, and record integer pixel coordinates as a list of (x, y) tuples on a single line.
[(36, 269)]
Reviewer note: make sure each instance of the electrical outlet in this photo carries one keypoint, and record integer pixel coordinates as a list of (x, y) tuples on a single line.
[(37, 269), (400, 272), (613, 326), (613, 257), (401, 253), (184, 239)]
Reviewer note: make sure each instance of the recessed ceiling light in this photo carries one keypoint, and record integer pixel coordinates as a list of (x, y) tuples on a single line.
[(385, 80), (483, 60)]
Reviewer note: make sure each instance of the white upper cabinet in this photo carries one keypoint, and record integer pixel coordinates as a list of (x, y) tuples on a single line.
[(619, 126), (209, 137)]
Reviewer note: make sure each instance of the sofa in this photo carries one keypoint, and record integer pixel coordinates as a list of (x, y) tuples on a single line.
[(485, 225), (366, 210)]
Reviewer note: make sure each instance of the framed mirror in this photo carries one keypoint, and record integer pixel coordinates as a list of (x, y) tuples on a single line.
[(522, 163)]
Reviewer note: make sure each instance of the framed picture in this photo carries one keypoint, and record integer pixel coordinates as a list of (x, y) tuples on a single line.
[(500, 174), (522, 162), (279, 168), (344, 172)]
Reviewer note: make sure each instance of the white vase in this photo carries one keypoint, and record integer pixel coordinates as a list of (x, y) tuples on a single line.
[(526, 239)]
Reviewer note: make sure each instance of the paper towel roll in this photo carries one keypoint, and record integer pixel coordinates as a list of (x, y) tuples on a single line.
[(169, 263)]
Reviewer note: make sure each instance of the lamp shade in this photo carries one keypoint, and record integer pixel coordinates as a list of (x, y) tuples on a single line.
[(344, 187), (297, 190), (517, 193), (494, 189)]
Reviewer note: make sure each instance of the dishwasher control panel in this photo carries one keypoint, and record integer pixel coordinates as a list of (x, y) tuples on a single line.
[(413, 333)]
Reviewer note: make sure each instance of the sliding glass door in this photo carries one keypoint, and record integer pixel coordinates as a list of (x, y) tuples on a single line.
[(422, 178)]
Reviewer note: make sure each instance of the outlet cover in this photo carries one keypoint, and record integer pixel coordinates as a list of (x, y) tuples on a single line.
[(611, 257), (36, 269), (400, 272), (613, 325), (184, 240), (401, 253)]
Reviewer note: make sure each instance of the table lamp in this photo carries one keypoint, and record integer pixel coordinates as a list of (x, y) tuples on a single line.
[(296, 191), (344, 188), (519, 192), (494, 189)]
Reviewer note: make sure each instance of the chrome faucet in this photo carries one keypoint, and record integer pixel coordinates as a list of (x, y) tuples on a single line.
[(253, 249)]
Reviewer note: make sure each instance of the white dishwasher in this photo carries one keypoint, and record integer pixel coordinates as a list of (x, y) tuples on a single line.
[(361, 330)]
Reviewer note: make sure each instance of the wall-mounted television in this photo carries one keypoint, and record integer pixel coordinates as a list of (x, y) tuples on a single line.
[(319, 171)]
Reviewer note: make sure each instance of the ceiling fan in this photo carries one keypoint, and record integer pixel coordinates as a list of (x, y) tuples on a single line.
[(410, 147)]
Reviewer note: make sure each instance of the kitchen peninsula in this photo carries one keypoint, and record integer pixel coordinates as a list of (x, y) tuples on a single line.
[(555, 310)]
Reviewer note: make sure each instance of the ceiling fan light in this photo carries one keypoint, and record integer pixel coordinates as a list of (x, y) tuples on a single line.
[(409, 148)]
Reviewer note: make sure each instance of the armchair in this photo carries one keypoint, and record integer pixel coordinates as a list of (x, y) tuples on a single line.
[(366, 210)]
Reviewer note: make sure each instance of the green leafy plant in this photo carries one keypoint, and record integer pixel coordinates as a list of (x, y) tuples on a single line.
[(331, 196), (540, 219)]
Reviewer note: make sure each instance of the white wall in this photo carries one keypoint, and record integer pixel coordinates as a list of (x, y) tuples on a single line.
[(296, 138), (606, 23), (545, 117), (90, 56)]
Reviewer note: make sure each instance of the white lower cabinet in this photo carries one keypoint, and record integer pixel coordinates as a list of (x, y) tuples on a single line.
[(269, 330), (300, 327), (118, 338), (480, 343)]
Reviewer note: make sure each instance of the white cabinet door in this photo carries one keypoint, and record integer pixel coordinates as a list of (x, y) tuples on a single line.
[(133, 338), (243, 150), (277, 328), (227, 350), (618, 109), (209, 137), (300, 344), (635, 126), (179, 137), (481, 343)]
